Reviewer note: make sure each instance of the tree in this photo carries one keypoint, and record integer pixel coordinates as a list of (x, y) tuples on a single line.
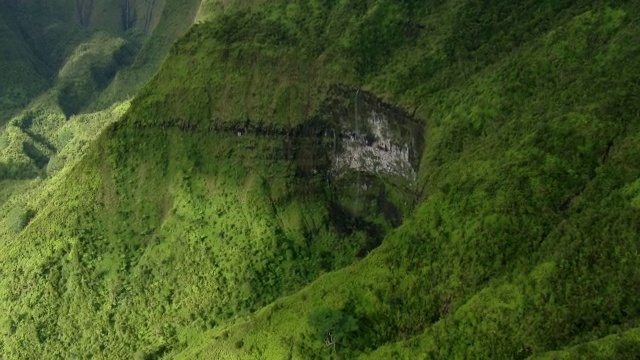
[(332, 325)]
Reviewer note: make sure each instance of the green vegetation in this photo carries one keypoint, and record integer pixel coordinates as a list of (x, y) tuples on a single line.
[(69, 66), (19, 68), (332, 326), (206, 220)]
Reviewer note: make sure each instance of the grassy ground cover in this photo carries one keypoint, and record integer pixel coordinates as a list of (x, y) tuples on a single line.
[(192, 229)]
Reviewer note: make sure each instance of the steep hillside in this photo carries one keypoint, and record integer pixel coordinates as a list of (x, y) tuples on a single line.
[(69, 65), (63, 35), (20, 67), (350, 179)]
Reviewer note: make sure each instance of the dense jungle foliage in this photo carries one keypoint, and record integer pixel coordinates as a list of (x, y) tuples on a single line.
[(202, 219)]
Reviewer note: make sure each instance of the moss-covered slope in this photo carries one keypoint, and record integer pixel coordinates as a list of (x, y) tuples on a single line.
[(218, 192)]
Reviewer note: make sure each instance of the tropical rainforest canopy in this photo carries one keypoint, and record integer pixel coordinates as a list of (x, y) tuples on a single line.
[(319, 179)]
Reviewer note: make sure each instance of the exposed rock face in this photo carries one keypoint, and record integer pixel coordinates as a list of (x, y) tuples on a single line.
[(364, 149), (374, 149), (369, 136)]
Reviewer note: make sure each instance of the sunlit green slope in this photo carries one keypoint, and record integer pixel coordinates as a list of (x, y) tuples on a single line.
[(351, 179)]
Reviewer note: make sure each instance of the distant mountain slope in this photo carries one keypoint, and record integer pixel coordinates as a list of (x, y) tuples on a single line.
[(351, 179), (52, 31), (67, 64), (21, 68)]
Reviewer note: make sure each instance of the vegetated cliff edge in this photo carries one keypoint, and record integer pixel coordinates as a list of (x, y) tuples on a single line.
[(218, 192)]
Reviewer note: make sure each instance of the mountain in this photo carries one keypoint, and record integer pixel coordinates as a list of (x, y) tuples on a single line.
[(72, 67), (343, 179), (20, 65)]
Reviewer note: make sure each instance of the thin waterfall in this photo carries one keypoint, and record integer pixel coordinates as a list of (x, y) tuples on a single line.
[(335, 143), (126, 15), (356, 138), (147, 22)]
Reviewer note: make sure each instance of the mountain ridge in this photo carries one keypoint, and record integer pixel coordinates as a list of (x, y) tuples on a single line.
[(204, 224)]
